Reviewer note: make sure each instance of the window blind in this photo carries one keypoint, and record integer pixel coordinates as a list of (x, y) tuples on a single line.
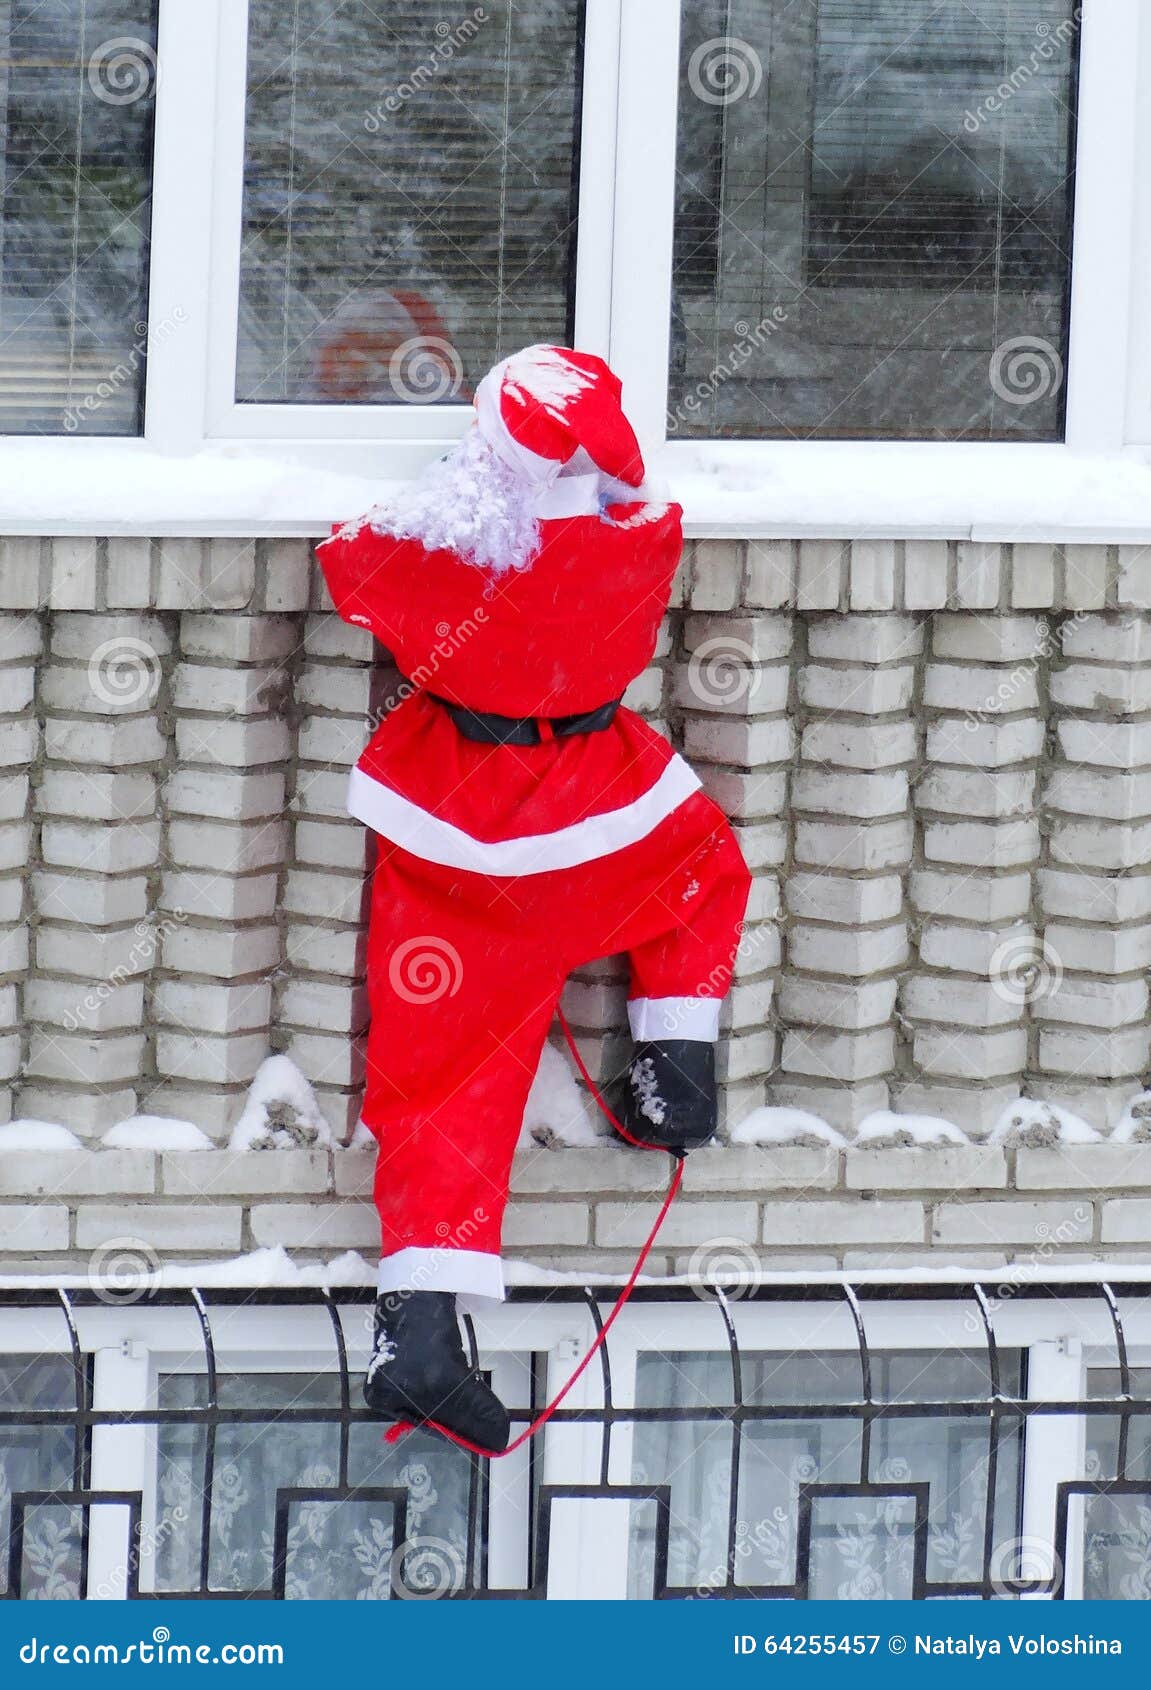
[(77, 85), (874, 218), (409, 200)]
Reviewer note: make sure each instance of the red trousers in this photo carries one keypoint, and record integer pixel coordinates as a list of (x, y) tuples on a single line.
[(464, 974)]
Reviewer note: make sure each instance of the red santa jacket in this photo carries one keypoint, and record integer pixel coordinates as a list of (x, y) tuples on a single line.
[(561, 636)]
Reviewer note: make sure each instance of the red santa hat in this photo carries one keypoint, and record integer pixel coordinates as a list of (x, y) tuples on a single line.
[(546, 406)]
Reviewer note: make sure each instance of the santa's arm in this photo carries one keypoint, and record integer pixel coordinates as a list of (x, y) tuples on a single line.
[(363, 576)]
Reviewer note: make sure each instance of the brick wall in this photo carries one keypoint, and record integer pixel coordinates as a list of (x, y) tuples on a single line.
[(938, 756), (744, 1211)]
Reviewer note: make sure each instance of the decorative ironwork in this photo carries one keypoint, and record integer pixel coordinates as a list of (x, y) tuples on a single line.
[(1007, 1414)]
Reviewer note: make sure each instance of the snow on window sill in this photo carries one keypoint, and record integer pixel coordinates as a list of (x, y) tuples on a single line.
[(786, 490)]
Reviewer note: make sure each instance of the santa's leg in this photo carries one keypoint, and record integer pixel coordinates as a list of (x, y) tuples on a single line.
[(678, 980), (459, 1018)]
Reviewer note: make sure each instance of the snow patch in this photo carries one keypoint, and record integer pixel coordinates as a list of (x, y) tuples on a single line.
[(155, 1132), (787, 1128), (281, 1112), (542, 373), (645, 1087), (557, 1112), (37, 1135), (270, 1267), (885, 1130), (362, 1138), (1135, 1124), (1029, 1124)]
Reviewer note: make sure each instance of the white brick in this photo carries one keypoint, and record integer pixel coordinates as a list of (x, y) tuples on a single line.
[(1127, 1221), (99, 848), (982, 845), (226, 691), (220, 897), (690, 1223), (822, 567), (979, 1168), (829, 897), (197, 1173), (316, 1226), (212, 1008), (323, 1006), (872, 575), (858, 692), (971, 1055), (74, 569), (1110, 1055), (980, 898), (162, 1226), (224, 952), (831, 950), (230, 573), (978, 572), (843, 1222), (216, 1060), (771, 573), (21, 570), (1032, 577), (180, 573), (88, 1059), (129, 573), (837, 1055), (749, 744), (232, 744), (40, 1226), (119, 743), (90, 900), (97, 795), (717, 569), (864, 639), (289, 573), (989, 639), (546, 1224), (925, 565), (764, 639), (883, 845), (1085, 572), (239, 639), (1087, 1168), (227, 848), (225, 795), (865, 796), (77, 1173), (1009, 1222), (831, 1003)]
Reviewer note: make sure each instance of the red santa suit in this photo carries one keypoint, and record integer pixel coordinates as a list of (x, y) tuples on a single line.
[(502, 867)]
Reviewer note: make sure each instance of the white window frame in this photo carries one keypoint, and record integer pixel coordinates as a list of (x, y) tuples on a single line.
[(134, 1344), (1082, 488)]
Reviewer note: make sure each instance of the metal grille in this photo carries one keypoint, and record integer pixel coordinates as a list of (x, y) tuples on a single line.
[(1004, 1413)]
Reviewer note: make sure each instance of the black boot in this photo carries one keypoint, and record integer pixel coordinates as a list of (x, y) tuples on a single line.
[(418, 1371), (670, 1096)]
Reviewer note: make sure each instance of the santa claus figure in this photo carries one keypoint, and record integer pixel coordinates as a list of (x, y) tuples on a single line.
[(527, 823)]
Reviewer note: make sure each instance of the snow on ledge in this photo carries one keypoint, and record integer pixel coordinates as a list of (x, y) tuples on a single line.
[(787, 489), (157, 1133)]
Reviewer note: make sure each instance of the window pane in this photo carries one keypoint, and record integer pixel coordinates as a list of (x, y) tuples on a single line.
[(1116, 1526), (339, 1547), (77, 85), (861, 1546), (40, 1458), (874, 219), (409, 196)]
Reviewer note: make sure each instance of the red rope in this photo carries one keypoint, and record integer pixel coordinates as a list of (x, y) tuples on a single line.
[(402, 1427)]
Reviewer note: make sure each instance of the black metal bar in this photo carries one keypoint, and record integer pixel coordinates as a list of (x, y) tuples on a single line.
[(211, 1423), (605, 1376), (1121, 1453), (735, 1361), (345, 1385), (868, 1404), (993, 1432)]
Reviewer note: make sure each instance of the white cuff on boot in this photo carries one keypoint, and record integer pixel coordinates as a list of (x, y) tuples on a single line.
[(674, 1018), (418, 1269)]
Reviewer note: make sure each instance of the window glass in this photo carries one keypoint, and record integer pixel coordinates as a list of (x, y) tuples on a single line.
[(862, 1546), (40, 1458), (873, 231), (409, 209), (77, 87), (340, 1548), (1116, 1527)]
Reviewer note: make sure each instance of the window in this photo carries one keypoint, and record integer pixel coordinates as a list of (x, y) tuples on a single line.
[(409, 210), (873, 230), (868, 1442), (77, 86)]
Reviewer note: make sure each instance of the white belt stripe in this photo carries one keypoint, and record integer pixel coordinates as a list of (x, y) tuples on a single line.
[(388, 813)]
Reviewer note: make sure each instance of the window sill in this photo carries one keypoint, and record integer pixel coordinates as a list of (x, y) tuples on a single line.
[(784, 490)]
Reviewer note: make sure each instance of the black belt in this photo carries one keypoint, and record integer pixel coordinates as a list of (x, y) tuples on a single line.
[(527, 730)]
